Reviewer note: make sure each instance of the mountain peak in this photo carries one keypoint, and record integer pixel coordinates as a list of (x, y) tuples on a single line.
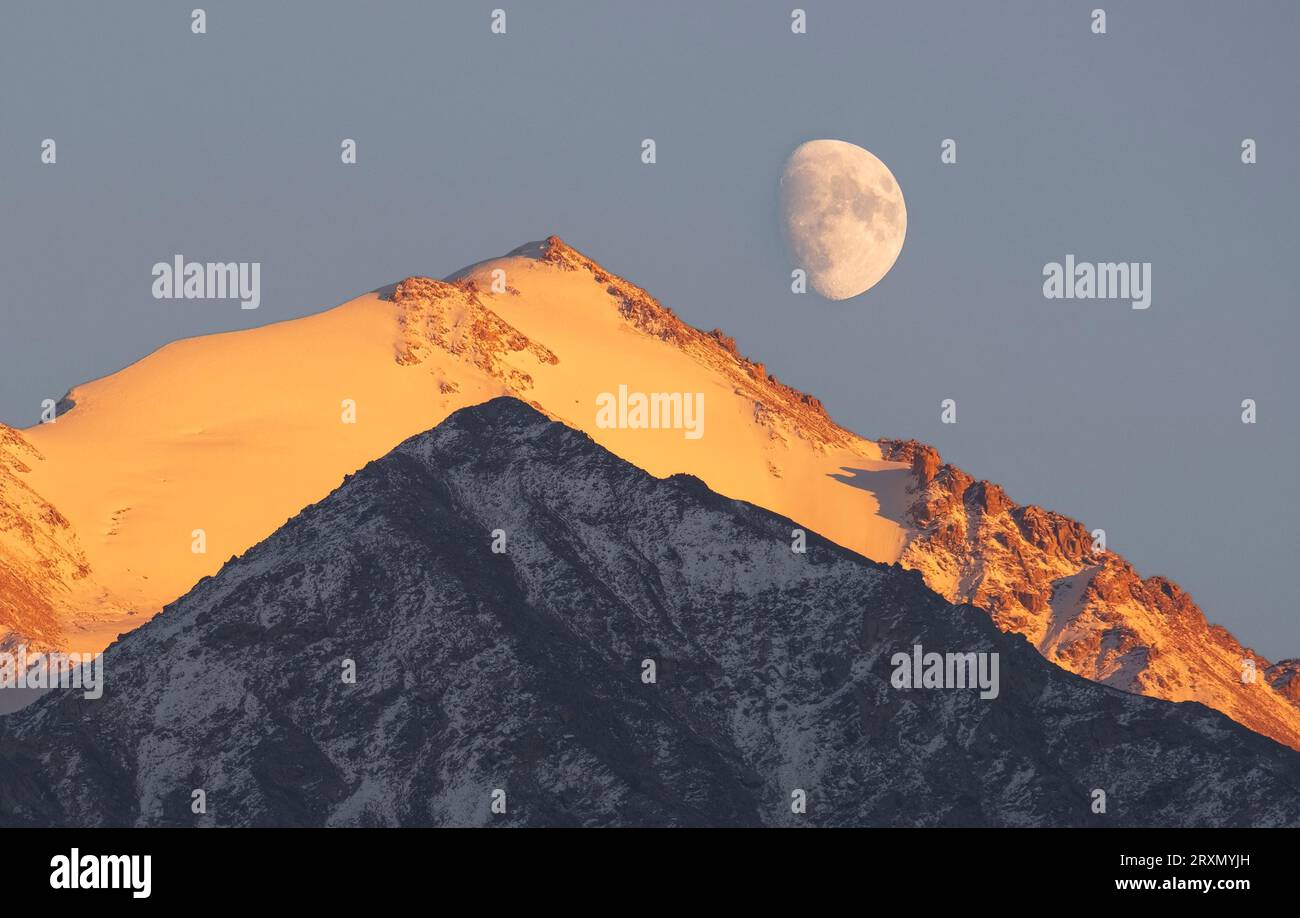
[(555, 250), (522, 669), (235, 433), (505, 418), (800, 414)]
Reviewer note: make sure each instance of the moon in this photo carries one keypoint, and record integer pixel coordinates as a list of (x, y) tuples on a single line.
[(844, 216)]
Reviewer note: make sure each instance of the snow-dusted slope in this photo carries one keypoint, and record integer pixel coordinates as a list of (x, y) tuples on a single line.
[(522, 672), (232, 434)]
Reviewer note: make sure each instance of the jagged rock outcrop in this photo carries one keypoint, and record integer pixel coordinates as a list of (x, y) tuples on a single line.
[(1282, 676), (40, 558), (1037, 574), (437, 315), (522, 673)]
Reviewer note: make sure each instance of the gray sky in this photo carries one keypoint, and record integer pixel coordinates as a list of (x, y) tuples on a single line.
[(1117, 147)]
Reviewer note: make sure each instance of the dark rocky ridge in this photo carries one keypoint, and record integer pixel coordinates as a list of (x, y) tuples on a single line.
[(521, 671)]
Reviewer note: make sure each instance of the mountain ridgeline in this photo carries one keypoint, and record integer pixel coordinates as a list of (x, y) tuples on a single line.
[(231, 435), (544, 634)]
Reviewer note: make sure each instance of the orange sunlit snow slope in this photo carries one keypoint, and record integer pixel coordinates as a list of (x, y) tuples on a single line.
[(232, 434)]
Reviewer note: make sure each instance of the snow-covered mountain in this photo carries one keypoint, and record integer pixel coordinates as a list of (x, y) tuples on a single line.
[(519, 677), (212, 443)]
